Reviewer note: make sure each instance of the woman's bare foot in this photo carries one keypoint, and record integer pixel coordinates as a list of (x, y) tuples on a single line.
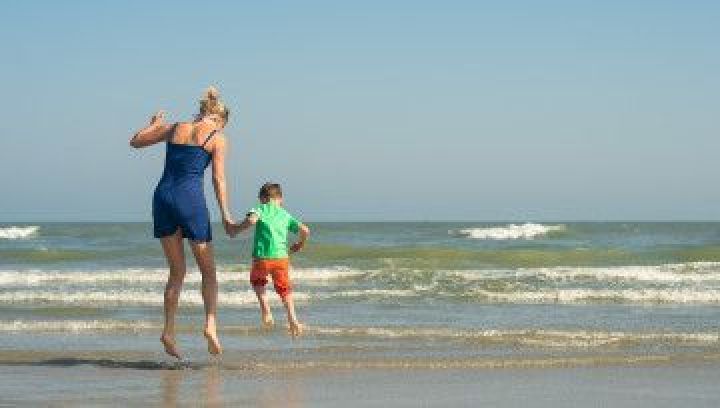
[(168, 342), (267, 321), (213, 343), (295, 329)]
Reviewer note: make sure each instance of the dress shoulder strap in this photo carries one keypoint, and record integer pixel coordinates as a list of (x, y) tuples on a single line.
[(171, 134), (207, 139)]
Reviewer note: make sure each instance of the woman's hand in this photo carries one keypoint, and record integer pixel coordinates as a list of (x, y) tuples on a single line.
[(229, 225), (158, 118), (157, 131)]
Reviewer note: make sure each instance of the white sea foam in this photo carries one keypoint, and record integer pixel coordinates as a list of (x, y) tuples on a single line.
[(691, 272), (324, 274), (39, 277), (376, 292), (538, 338), (112, 325), (527, 337), (580, 296), (130, 298), (511, 231), (18, 232), (75, 326), (670, 273)]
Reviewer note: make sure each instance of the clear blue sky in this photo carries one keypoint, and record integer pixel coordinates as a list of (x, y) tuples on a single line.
[(371, 110)]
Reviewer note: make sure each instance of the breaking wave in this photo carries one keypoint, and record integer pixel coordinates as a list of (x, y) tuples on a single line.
[(690, 272), (75, 326), (527, 337), (582, 296), (511, 231), (39, 277), (113, 298), (544, 338), (128, 298), (18, 232)]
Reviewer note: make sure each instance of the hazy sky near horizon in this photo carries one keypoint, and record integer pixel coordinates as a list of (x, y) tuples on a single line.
[(372, 110)]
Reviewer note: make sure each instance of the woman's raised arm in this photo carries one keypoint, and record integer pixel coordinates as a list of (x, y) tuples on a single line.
[(155, 132)]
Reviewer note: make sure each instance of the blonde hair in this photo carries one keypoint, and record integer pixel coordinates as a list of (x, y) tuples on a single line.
[(210, 104)]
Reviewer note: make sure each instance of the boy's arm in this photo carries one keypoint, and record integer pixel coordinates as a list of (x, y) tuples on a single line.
[(303, 234)]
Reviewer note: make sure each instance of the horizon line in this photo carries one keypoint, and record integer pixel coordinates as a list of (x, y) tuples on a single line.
[(391, 221)]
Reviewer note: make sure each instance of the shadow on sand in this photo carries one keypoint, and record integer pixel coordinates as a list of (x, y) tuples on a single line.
[(110, 363)]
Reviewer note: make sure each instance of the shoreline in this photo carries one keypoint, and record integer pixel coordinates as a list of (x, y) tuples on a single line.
[(262, 362), (654, 385)]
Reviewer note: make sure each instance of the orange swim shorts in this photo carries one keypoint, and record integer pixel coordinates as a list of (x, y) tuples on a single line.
[(277, 268)]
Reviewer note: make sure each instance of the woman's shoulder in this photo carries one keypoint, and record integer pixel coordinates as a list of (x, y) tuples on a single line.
[(219, 137), (179, 125)]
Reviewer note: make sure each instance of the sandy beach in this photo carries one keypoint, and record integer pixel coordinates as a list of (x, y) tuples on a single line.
[(75, 381)]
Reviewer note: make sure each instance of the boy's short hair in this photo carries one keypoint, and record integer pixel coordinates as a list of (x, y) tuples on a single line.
[(269, 191)]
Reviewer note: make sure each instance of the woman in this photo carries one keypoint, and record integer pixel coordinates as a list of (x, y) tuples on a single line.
[(179, 209)]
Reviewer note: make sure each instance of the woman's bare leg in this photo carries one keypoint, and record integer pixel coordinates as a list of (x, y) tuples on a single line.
[(174, 252), (205, 258)]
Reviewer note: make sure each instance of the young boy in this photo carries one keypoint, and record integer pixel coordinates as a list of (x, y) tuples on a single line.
[(270, 251)]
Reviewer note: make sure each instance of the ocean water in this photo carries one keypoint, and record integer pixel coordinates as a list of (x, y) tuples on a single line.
[(468, 294)]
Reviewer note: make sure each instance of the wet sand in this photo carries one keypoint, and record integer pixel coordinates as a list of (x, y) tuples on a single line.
[(108, 382)]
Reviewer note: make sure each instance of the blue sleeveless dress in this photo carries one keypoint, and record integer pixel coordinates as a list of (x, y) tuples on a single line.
[(179, 199)]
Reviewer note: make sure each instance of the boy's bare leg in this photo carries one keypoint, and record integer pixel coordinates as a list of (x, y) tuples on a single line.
[(265, 312), (295, 327)]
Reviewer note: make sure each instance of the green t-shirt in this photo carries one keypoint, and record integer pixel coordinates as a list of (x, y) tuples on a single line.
[(271, 231)]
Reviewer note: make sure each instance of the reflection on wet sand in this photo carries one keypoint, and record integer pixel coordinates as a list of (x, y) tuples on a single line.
[(171, 385), (213, 387), (206, 388), (285, 393), (173, 393)]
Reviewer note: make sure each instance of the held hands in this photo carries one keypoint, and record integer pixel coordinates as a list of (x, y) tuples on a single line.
[(230, 227)]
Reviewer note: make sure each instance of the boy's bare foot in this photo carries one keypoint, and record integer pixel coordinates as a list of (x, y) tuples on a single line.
[(267, 322), (213, 343), (296, 329), (168, 342)]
